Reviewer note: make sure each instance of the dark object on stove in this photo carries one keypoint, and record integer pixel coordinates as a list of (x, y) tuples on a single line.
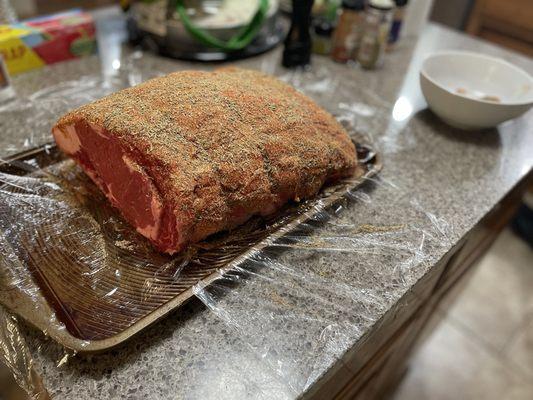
[(297, 50)]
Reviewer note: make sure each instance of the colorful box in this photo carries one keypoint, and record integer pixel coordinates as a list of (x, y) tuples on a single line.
[(46, 40)]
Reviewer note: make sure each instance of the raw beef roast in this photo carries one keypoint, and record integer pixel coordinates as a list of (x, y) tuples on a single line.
[(193, 153)]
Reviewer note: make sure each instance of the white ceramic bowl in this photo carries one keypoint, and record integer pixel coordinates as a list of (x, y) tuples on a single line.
[(472, 91)]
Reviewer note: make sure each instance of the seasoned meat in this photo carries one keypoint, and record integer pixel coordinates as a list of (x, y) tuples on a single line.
[(193, 153)]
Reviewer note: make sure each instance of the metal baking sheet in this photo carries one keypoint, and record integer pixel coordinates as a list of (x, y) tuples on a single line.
[(151, 284)]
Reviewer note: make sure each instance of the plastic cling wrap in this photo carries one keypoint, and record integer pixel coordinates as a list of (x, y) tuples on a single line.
[(14, 354), (84, 257), (290, 310)]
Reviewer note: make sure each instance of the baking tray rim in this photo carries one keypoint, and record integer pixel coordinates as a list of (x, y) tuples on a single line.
[(78, 345)]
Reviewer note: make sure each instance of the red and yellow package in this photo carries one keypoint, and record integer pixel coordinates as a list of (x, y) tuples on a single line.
[(46, 40)]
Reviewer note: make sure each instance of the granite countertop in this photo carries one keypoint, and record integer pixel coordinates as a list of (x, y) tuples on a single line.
[(276, 332)]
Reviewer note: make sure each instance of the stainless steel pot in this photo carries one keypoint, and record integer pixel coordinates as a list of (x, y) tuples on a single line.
[(157, 25)]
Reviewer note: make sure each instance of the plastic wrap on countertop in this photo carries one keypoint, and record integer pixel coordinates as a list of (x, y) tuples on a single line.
[(14, 354), (261, 301)]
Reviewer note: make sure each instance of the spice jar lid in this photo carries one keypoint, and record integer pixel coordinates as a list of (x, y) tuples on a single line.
[(356, 5), (323, 28), (382, 4)]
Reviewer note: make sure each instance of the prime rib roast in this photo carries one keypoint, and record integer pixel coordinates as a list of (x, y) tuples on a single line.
[(193, 153)]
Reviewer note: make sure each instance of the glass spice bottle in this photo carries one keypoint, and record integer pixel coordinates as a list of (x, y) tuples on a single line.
[(375, 37), (323, 30), (397, 22), (349, 29)]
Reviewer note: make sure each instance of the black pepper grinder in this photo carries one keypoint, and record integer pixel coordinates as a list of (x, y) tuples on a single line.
[(297, 51)]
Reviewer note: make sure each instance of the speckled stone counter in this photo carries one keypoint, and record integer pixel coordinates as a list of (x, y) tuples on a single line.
[(436, 176)]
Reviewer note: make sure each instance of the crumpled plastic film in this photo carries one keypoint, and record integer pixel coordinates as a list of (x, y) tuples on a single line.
[(320, 278), (14, 353), (33, 114), (274, 283)]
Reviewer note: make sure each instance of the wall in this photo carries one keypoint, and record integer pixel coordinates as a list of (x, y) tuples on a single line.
[(452, 13)]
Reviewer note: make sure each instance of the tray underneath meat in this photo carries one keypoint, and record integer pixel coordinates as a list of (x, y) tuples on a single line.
[(96, 275)]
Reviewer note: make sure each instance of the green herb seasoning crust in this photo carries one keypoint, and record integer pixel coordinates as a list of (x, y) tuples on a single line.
[(205, 151)]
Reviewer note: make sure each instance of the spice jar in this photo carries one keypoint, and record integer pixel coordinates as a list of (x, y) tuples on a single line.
[(349, 29), (397, 21), (375, 37), (322, 32)]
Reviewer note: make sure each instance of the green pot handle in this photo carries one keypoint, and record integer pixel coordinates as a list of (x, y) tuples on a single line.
[(239, 41)]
